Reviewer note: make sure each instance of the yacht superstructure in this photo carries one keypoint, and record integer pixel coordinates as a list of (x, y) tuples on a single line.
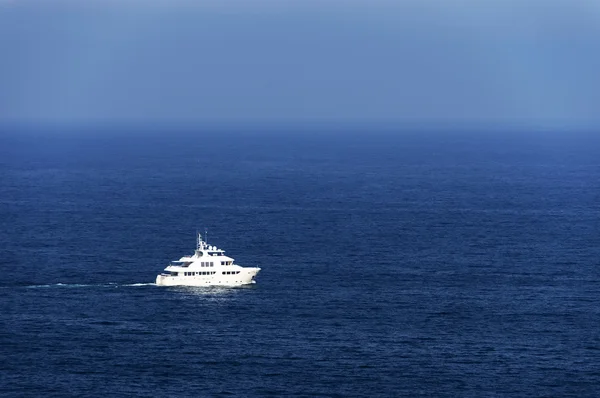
[(208, 266)]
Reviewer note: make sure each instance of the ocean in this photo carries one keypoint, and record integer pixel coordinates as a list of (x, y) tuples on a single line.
[(394, 263)]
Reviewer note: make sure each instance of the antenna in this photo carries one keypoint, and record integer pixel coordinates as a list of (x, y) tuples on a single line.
[(206, 235)]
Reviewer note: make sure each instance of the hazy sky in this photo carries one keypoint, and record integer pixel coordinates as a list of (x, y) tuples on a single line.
[(218, 61)]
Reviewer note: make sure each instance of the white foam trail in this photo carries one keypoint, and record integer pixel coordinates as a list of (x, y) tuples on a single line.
[(79, 285), (57, 285), (140, 284)]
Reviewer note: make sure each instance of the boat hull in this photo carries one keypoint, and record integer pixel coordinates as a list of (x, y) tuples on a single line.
[(245, 277)]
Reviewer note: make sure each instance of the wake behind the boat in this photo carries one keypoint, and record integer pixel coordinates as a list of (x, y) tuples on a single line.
[(84, 285)]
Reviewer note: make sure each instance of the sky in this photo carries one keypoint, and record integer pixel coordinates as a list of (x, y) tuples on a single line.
[(426, 62)]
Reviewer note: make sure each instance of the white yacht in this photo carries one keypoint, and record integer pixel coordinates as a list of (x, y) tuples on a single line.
[(208, 266)]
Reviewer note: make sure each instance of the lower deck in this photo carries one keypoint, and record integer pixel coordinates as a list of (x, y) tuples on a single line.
[(208, 278)]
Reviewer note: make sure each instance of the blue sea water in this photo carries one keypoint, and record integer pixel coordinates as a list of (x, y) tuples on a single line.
[(393, 264)]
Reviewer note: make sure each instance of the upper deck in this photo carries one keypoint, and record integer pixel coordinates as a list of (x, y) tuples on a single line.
[(205, 255)]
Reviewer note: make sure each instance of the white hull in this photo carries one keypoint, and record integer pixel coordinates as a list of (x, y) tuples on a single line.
[(245, 277)]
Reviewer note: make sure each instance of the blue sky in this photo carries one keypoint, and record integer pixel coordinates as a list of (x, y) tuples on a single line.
[(531, 63)]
